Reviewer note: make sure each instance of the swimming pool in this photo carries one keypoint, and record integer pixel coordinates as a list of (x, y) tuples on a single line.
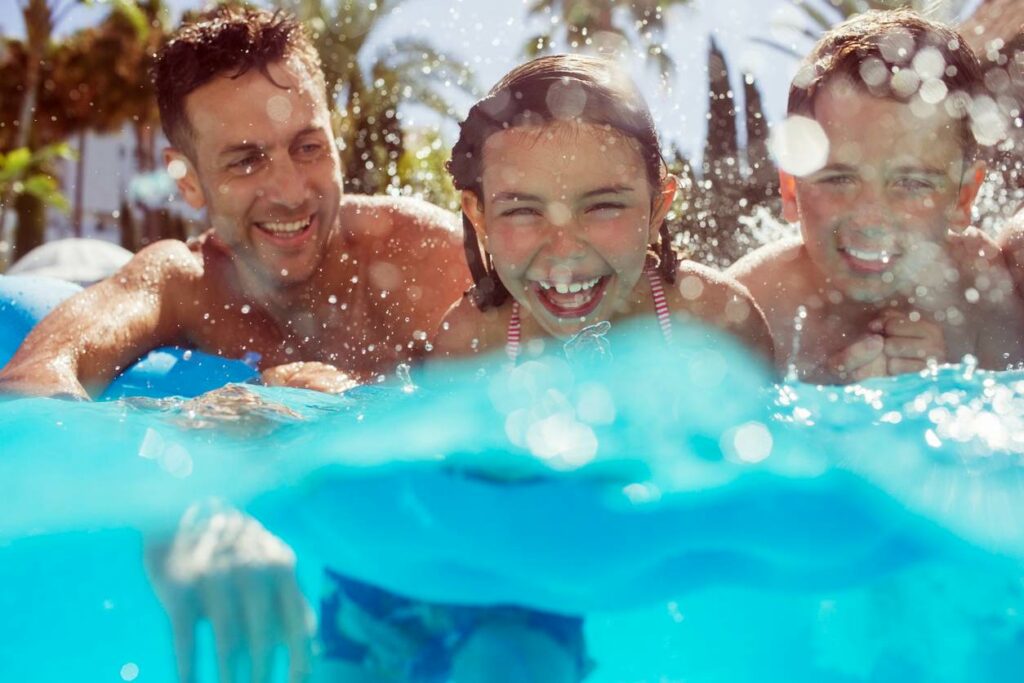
[(712, 526)]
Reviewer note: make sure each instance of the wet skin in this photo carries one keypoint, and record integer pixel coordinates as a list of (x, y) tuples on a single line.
[(567, 216), (291, 269), (886, 260)]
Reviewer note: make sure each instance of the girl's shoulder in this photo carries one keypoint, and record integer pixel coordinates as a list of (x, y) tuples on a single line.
[(703, 293), (466, 330)]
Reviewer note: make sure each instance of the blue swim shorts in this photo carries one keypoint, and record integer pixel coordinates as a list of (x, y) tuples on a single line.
[(410, 641)]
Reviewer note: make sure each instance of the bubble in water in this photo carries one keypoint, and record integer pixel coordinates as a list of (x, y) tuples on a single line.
[(751, 442), (929, 63), (177, 169), (799, 145), (279, 108), (874, 72), (566, 100), (130, 671)]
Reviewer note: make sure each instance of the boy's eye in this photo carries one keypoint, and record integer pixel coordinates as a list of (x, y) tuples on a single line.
[(838, 180)]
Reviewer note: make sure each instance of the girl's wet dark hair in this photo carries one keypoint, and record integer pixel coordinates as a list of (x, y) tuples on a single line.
[(544, 90)]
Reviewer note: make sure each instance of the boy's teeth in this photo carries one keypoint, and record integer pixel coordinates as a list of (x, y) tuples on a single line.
[(882, 256), (293, 226)]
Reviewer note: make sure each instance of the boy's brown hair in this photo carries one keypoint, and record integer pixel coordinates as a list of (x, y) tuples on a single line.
[(871, 49), (228, 40)]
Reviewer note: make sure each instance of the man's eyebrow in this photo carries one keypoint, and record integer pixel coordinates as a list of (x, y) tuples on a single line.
[(920, 170), (240, 147), (308, 130)]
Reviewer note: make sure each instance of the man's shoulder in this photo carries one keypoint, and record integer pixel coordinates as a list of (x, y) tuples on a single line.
[(167, 262), (382, 216)]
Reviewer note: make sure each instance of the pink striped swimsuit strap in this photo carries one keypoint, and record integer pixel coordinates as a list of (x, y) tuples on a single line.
[(660, 302), (512, 334)]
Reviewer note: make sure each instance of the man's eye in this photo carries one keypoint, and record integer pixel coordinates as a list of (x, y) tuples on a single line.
[(837, 180), (310, 149), (246, 164)]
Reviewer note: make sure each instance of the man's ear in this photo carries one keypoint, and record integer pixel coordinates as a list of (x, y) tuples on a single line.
[(473, 209), (662, 205), (974, 176), (787, 189), (184, 174)]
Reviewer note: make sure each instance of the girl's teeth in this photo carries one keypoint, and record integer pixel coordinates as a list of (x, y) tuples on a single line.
[(569, 287)]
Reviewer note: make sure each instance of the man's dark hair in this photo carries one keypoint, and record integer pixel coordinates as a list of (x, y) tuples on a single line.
[(226, 41), (871, 49)]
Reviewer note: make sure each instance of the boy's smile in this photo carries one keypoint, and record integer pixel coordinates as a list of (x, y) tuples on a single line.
[(875, 218)]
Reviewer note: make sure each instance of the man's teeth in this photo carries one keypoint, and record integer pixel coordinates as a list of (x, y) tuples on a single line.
[(864, 255), (569, 287), (294, 226)]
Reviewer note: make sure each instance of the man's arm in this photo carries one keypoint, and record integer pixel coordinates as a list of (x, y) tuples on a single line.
[(83, 344)]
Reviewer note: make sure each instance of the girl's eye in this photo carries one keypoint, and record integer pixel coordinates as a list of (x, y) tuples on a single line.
[(606, 209), (520, 212), (913, 185)]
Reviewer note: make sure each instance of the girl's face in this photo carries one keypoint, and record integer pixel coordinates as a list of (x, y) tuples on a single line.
[(567, 216)]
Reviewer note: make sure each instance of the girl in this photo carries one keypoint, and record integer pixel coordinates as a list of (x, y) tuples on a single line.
[(564, 198)]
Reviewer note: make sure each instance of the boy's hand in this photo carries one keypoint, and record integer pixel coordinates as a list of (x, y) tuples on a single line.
[(309, 375), (860, 360), (911, 342)]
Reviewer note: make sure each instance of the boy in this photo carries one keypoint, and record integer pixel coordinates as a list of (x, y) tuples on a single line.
[(886, 276)]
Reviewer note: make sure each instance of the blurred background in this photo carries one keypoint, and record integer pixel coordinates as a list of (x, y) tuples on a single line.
[(80, 140)]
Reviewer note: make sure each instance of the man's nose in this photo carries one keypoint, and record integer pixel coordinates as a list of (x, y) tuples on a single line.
[(286, 184), (872, 205)]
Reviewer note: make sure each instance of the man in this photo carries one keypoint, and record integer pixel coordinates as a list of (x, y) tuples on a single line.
[(333, 288), (887, 276), (328, 290)]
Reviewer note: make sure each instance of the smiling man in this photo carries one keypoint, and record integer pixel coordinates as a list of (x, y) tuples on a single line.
[(887, 275), (327, 289)]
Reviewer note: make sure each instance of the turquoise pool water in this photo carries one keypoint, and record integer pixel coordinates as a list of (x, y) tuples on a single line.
[(712, 526)]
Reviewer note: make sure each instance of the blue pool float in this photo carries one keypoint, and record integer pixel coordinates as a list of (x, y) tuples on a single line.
[(168, 371)]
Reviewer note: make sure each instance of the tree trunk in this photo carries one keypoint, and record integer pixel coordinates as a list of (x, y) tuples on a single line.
[(31, 226), (76, 215)]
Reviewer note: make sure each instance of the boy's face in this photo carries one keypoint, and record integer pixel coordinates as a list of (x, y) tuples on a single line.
[(875, 218)]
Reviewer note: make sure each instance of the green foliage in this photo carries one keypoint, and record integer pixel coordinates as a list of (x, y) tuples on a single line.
[(590, 24), (367, 90), (22, 171)]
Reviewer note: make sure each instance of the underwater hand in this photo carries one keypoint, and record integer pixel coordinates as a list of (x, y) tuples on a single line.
[(225, 567), (309, 375), (911, 341)]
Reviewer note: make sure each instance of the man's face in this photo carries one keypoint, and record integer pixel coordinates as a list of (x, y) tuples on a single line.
[(266, 169), (875, 218)]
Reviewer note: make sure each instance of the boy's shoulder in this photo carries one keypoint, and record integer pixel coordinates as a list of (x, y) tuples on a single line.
[(779, 269)]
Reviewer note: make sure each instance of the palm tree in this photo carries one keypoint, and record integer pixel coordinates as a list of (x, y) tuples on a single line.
[(367, 90), (587, 24), (824, 14)]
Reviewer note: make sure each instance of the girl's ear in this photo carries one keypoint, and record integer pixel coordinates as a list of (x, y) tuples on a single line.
[(662, 205), (974, 176), (185, 177), (787, 189), (473, 209)]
